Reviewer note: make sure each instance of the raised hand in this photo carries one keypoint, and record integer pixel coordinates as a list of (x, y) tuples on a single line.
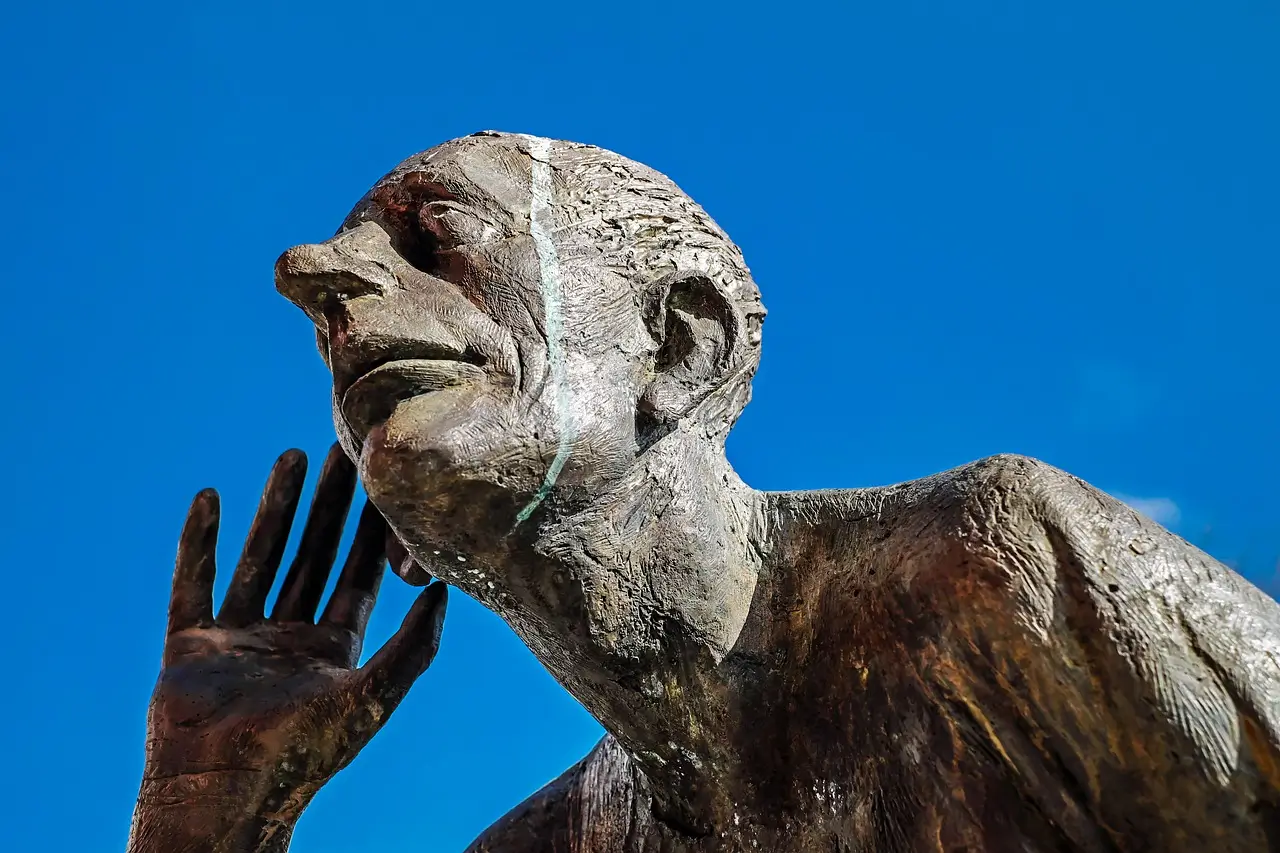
[(253, 714)]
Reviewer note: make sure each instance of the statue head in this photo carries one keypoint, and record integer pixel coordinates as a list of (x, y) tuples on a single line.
[(538, 348)]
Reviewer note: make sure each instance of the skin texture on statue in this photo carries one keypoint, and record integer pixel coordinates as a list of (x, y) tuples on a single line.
[(254, 712), (538, 348)]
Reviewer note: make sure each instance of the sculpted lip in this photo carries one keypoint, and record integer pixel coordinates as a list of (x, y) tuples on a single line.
[(373, 397), (374, 372)]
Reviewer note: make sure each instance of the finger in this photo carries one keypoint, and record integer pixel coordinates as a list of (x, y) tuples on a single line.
[(246, 597), (191, 603), (404, 565), (389, 674), (309, 572), (357, 587), (396, 552)]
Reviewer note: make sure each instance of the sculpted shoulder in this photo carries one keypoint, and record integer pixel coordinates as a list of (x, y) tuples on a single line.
[(1053, 541), (1009, 484), (975, 527), (1022, 516), (992, 518), (1166, 633)]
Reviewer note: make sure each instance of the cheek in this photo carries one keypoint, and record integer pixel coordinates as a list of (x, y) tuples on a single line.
[(503, 281), (598, 415), (447, 443), (599, 395)]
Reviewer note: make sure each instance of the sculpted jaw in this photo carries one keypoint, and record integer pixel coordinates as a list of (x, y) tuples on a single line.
[(553, 310)]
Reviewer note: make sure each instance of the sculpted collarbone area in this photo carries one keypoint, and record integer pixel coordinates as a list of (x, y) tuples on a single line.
[(514, 325)]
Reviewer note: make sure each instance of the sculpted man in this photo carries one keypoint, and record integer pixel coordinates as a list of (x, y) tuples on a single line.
[(538, 348)]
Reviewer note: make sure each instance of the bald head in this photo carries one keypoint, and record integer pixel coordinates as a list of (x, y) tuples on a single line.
[(605, 210), (525, 317)]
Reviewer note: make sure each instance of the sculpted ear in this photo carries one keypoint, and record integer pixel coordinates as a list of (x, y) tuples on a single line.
[(697, 329)]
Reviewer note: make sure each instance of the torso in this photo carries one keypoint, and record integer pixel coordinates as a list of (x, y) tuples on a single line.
[(1010, 661)]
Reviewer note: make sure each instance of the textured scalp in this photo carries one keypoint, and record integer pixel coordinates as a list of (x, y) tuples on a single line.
[(628, 218)]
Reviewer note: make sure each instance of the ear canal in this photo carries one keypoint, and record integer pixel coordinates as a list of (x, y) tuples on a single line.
[(697, 329)]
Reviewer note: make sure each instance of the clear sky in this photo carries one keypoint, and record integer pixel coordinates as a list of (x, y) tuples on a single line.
[(1043, 228)]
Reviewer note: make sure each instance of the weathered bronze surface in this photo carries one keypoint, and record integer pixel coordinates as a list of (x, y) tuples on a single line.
[(538, 348), (253, 714)]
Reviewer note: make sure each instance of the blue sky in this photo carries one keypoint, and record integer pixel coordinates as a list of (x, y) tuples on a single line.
[(979, 227)]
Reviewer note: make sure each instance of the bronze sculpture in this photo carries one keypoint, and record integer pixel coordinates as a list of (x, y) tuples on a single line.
[(252, 713), (538, 348)]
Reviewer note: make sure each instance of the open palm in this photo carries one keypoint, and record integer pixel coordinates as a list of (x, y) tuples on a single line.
[(263, 710)]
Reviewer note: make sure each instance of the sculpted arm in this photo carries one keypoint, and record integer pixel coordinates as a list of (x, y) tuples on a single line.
[(597, 806), (1133, 680), (1204, 642)]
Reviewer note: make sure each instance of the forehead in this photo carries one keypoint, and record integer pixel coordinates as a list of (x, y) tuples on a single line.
[(489, 172), (603, 206)]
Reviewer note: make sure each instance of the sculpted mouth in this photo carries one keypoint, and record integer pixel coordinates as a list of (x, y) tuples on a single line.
[(372, 398)]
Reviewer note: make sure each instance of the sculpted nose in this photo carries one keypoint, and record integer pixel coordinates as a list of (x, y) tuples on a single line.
[(321, 276)]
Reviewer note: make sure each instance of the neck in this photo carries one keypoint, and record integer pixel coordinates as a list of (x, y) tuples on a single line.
[(633, 602), (661, 607), (821, 551)]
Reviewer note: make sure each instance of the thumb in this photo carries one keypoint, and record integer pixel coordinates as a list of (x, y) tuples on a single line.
[(388, 675)]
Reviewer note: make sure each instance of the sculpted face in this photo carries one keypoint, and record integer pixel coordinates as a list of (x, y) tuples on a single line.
[(511, 323)]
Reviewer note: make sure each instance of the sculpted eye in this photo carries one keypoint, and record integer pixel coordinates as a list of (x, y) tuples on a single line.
[(453, 224), (418, 246), (399, 206)]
